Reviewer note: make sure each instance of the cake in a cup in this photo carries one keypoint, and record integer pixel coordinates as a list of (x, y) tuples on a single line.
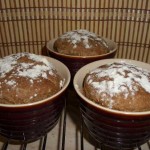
[(81, 43), (119, 86), (27, 78)]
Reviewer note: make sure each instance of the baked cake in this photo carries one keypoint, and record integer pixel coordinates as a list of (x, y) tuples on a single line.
[(80, 43), (119, 86), (26, 78)]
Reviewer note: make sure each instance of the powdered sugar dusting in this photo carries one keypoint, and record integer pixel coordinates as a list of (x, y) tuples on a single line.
[(62, 83), (34, 72), (6, 65), (29, 69), (26, 65), (121, 78), (11, 82), (77, 36)]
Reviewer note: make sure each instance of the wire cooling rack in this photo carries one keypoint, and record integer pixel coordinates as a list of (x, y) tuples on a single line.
[(70, 133)]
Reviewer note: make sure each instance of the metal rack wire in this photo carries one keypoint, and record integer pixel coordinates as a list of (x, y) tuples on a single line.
[(44, 141), (102, 145)]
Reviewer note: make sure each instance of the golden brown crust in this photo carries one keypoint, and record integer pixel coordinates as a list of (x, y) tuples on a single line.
[(80, 43), (121, 87), (27, 80)]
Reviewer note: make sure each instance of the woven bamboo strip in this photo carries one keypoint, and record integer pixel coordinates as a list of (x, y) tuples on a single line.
[(26, 25)]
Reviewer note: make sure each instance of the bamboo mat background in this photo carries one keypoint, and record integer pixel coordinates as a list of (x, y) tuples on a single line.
[(26, 25)]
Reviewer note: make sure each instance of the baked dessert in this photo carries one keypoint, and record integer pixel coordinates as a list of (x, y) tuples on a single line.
[(80, 43), (26, 78), (119, 86)]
